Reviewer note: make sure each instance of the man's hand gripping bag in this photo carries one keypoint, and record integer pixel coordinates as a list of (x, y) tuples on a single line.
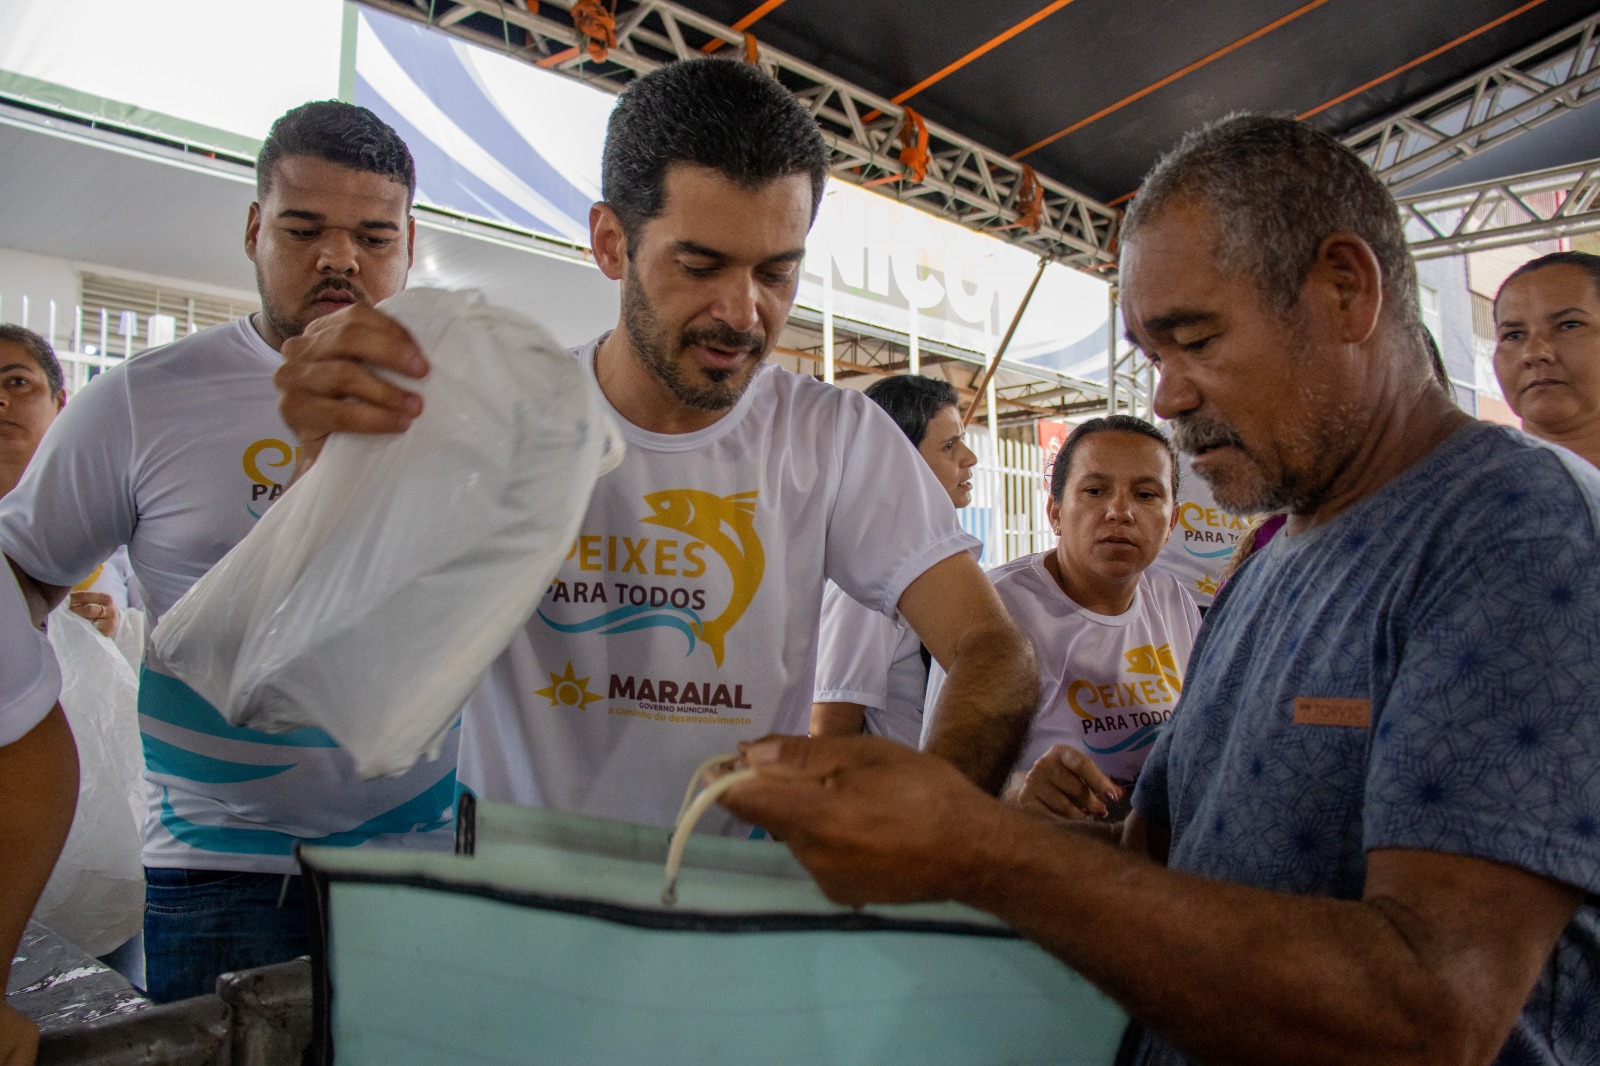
[(371, 598)]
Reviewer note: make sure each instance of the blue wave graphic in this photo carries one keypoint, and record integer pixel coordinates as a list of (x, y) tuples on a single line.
[(1219, 553), (166, 699), (1142, 737), (429, 811), (631, 619), (169, 759)]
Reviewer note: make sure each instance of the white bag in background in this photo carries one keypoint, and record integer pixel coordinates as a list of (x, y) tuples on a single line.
[(95, 895), (372, 597)]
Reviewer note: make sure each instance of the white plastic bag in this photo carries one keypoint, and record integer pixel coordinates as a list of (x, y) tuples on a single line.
[(95, 896), (372, 597)]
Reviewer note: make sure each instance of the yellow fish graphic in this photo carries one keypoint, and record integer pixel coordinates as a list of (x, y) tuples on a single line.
[(1159, 661), (725, 524)]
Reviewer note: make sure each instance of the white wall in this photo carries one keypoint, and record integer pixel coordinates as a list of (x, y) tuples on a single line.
[(41, 279)]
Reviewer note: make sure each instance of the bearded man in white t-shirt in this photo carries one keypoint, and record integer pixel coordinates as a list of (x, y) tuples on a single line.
[(175, 454), (685, 618)]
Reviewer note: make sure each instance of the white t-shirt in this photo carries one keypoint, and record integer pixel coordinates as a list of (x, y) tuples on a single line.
[(176, 453), (1202, 542), (1107, 683), (685, 617), (30, 681), (865, 658)]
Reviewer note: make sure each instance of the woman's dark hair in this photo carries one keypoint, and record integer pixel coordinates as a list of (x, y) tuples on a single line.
[(336, 132), (1108, 424), (1582, 260), (722, 114), (42, 353), (912, 401)]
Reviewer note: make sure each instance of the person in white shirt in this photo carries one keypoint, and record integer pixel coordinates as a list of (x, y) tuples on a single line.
[(32, 392), (175, 454), (1111, 633), (872, 671), (685, 618), (38, 790)]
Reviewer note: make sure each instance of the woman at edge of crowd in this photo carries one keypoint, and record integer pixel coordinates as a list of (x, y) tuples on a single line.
[(1547, 349), (1112, 635), (872, 671)]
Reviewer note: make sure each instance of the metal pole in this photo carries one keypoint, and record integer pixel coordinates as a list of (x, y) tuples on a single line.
[(827, 320), (998, 536), (994, 364), (1111, 349), (916, 337)]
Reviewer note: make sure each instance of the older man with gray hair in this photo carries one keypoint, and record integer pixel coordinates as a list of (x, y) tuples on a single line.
[(1371, 830)]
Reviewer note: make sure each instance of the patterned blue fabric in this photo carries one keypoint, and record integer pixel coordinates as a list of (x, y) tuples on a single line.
[(1463, 601)]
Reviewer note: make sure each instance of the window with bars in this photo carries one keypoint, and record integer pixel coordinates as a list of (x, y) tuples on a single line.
[(124, 316)]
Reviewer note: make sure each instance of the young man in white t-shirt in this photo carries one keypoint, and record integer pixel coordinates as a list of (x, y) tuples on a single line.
[(1112, 634), (685, 618), (872, 671), (175, 454), (38, 791)]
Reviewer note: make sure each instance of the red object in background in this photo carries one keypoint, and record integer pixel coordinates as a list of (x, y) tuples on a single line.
[(1052, 435)]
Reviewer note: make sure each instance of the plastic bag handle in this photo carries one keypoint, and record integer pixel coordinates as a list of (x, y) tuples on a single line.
[(690, 812)]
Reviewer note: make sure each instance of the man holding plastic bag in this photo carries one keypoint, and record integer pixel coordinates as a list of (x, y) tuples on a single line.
[(176, 454), (685, 614)]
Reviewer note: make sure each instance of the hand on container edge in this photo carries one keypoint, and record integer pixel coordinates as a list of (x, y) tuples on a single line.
[(873, 821)]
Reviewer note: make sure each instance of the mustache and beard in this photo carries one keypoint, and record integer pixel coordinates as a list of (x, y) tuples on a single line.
[(289, 323), (721, 388), (1306, 458)]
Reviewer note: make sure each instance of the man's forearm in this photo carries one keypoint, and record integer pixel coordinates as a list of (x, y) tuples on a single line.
[(40, 598), (986, 705), (38, 793), (1241, 975)]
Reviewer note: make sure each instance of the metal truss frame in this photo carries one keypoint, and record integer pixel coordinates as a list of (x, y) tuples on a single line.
[(1533, 86), (1541, 205), (965, 182), (1132, 377)]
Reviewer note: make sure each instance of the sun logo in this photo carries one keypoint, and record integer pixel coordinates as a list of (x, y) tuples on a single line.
[(1206, 584), (568, 691)]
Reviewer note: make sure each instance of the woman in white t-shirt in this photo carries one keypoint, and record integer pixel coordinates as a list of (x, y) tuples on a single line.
[(871, 669), (1112, 635)]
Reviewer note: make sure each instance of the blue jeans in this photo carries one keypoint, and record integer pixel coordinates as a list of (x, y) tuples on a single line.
[(201, 923)]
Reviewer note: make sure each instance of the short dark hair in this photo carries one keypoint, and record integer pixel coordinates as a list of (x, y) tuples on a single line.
[(912, 401), (336, 132), (42, 353), (723, 114), (1582, 260), (1107, 424), (1276, 189)]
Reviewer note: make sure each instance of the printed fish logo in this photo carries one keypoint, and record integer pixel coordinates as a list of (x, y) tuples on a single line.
[(1159, 661), (725, 524), (280, 455)]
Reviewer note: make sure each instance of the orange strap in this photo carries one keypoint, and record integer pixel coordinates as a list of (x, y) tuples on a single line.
[(914, 145), (1030, 204), (597, 28), (752, 50), (1030, 201)]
